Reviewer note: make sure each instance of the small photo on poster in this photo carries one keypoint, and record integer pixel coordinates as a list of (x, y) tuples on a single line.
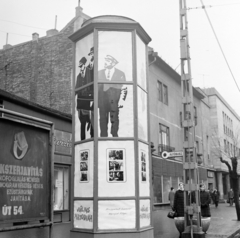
[(143, 166), (116, 166), (84, 166), (144, 178)]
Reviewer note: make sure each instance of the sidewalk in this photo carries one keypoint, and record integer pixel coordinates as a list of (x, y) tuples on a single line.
[(223, 224)]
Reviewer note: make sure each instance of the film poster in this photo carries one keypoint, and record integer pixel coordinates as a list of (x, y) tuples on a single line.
[(116, 165)]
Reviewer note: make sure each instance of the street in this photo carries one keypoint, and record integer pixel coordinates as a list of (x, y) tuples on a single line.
[(223, 222)]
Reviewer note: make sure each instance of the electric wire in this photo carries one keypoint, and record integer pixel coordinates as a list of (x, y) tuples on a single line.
[(14, 33), (208, 6), (219, 44), (23, 24)]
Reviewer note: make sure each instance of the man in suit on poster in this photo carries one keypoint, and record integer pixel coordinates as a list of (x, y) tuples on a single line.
[(109, 96), (84, 98)]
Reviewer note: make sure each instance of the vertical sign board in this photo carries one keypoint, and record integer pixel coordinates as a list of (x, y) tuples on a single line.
[(24, 172)]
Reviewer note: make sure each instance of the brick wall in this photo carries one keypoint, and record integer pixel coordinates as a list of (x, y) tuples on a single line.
[(40, 70)]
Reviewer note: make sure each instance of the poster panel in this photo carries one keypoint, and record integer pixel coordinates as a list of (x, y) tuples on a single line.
[(83, 214), (145, 213), (115, 99), (83, 175), (116, 214), (115, 103), (24, 172), (116, 169), (144, 182), (84, 72), (115, 55), (141, 63), (142, 115)]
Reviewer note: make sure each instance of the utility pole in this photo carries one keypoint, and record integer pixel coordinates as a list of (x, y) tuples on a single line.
[(190, 166)]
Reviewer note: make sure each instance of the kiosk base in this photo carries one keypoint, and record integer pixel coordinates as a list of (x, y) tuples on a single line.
[(139, 234)]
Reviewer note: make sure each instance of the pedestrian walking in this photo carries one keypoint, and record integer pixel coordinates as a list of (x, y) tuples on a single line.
[(178, 205), (205, 201), (215, 197), (230, 197), (211, 195), (171, 197)]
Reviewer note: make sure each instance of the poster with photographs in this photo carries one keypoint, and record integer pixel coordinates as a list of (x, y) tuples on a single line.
[(84, 74), (84, 166), (116, 168), (144, 181), (142, 115), (115, 98), (116, 165), (141, 63), (143, 166), (83, 169)]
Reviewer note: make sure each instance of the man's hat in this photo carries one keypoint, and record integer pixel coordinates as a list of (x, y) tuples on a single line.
[(91, 50), (83, 60), (109, 57)]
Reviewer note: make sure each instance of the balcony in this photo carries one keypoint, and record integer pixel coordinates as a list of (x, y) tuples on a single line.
[(162, 147)]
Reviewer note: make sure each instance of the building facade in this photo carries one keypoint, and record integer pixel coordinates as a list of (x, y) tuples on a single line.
[(225, 129), (166, 130)]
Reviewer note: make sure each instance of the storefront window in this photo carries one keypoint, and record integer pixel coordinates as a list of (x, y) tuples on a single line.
[(166, 188), (61, 188), (175, 183), (162, 187), (157, 189)]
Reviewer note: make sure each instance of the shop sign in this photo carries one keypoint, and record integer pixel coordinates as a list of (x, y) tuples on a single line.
[(166, 154), (63, 142), (24, 172), (210, 174)]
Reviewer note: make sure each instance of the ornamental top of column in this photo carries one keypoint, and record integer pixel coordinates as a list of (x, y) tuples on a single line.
[(108, 19), (110, 22)]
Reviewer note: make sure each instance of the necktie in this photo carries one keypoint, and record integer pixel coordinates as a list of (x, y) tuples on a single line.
[(108, 75)]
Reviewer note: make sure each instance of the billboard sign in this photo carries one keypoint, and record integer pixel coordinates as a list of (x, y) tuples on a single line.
[(24, 172)]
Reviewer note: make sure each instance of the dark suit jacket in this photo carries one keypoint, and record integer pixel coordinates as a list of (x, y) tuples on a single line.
[(118, 76), (85, 95)]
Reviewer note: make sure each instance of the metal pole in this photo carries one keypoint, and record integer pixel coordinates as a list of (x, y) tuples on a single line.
[(56, 22), (190, 167)]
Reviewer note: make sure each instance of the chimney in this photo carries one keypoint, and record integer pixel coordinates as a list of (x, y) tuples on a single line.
[(7, 46), (52, 32), (78, 11), (35, 36)]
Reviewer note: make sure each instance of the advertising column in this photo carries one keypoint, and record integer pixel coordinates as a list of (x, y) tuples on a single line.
[(111, 130)]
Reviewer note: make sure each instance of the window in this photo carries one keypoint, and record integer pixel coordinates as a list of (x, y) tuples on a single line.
[(195, 115), (164, 135), (159, 86), (1, 106), (162, 92), (197, 147), (162, 186), (225, 146), (165, 94), (166, 188), (61, 188)]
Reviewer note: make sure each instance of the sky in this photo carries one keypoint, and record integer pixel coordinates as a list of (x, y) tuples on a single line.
[(160, 19)]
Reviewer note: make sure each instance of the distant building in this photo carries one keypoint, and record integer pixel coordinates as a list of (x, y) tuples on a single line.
[(225, 134)]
